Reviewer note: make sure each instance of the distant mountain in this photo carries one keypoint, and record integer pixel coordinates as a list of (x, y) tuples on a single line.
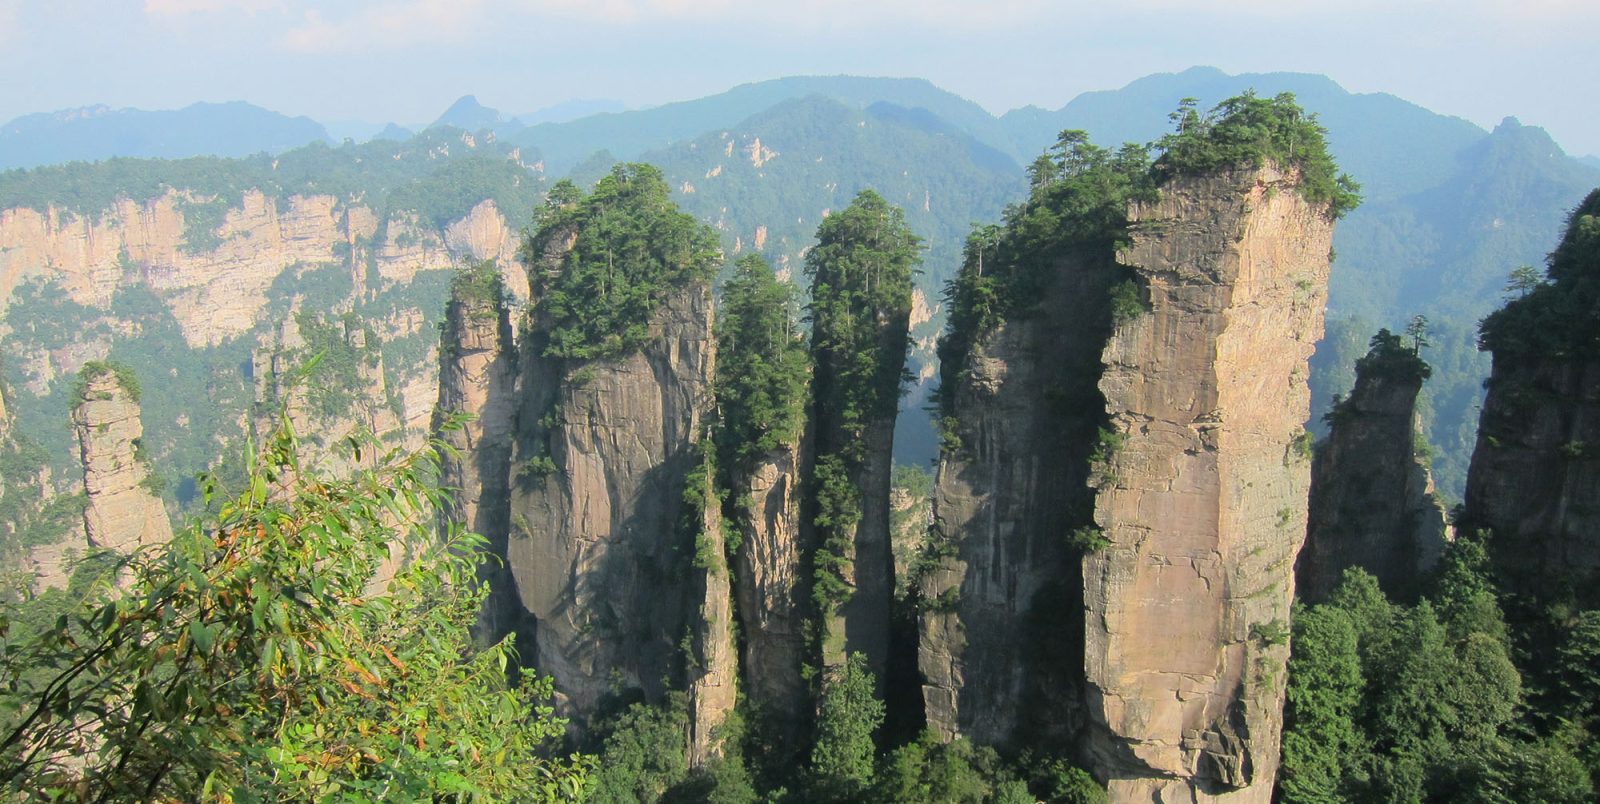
[(100, 132), (393, 132), (575, 109), (469, 115), (629, 134), (1591, 160), (1390, 145)]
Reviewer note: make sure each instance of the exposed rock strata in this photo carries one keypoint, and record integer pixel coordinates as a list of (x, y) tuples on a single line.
[(1372, 497), (1536, 472), (477, 378), (713, 662), (597, 547), (771, 608), (1201, 497), (121, 514), (1001, 616)]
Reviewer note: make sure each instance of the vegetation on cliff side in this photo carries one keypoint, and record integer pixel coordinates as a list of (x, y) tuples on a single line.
[(861, 271), (762, 365), (1423, 703), (630, 247), (253, 658), (1555, 316), (1247, 131)]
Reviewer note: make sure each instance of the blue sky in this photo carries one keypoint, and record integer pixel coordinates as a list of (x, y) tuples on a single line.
[(406, 60)]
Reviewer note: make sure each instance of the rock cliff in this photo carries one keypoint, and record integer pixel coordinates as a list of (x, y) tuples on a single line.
[(1001, 617), (713, 662), (597, 548), (768, 582), (1536, 467), (122, 512), (1201, 498), (1372, 497), (477, 381)]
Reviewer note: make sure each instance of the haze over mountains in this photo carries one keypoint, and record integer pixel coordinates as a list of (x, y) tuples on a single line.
[(1449, 207)]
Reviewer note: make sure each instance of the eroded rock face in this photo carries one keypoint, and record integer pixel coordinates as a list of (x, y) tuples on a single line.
[(1201, 498), (477, 378), (713, 663), (121, 514), (597, 547), (1535, 475), (1001, 621), (1372, 497), (219, 292), (771, 613)]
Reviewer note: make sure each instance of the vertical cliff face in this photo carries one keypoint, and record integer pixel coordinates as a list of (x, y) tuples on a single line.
[(477, 377), (768, 571), (596, 546), (1200, 495), (122, 513), (1372, 499), (1001, 618), (1536, 468), (713, 666)]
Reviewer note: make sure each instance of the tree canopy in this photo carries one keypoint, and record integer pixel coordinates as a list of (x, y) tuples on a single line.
[(603, 263), (262, 655)]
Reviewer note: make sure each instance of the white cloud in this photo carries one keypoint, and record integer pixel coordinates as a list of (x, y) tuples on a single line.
[(178, 8), (395, 24)]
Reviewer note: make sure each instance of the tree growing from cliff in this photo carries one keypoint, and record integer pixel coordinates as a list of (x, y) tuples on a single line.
[(762, 365), (861, 271), (255, 656), (1247, 131), (847, 718), (602, 263)]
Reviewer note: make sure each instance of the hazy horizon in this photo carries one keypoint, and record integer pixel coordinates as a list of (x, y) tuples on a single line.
[(406, 61)]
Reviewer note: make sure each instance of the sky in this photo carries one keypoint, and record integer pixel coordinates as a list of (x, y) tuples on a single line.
[(407, 60)]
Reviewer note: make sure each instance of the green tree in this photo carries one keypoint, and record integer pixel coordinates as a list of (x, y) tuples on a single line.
[(259, 655), (847, 717), (762, 365), (1322, 740), (602, 263)]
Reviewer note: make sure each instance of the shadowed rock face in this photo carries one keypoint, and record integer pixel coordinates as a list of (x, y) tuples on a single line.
[(477, 377), (1534, 473), (597, 548), (1201, 497), (1372, 501), (1001, 626), (121, 514), (771, 608)]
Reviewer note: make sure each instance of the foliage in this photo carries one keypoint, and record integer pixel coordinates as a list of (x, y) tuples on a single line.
[(643, 755), (1247, 131), (861, 271), (931, 771), (1420, 702), (762, 365), (1555, 317), (95, 369), (1078, 199), (478, 285), (254, 656), (201, 220), (848, 715), (334, 357), (603, 263)]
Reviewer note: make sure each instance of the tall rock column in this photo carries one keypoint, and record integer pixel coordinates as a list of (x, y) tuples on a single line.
[(1201, 499), (998, 649), (477, 377), (1372, 498), (122, 513), (861, 309), (616, 366), (1535, 476), (713, 662)]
